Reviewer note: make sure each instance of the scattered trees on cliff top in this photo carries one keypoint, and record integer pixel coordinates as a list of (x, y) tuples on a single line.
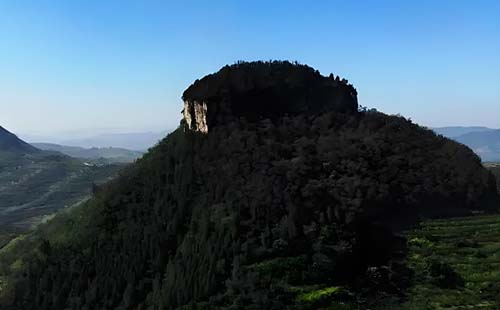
[(258, 75)]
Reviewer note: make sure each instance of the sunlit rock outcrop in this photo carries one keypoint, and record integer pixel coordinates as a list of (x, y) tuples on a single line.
[(195, 115)]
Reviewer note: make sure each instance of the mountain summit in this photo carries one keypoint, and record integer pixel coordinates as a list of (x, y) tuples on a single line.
[(276, 192), (256, 90), (11, 143)]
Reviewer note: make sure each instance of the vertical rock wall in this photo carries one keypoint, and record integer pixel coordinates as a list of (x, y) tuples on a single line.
[(195, 115)]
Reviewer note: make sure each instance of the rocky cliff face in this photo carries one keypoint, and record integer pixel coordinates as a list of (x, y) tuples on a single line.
[(259, 90), (195, 115)]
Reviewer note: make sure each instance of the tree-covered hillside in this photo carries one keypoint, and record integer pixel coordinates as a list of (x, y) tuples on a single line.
[(495, 169), (297, 212)]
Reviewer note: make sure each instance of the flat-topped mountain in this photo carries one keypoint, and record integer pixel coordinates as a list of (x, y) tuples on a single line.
[(9, 142), (275, 192), (256, 90)]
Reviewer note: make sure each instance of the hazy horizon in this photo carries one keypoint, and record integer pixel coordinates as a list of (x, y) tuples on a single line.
[(68, 66), (63, 136)]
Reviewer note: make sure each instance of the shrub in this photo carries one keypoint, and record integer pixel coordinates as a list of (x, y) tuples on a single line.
[(443, 275)]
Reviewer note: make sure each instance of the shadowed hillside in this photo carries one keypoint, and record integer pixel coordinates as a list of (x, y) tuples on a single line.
[(11, 143), (297, 206)]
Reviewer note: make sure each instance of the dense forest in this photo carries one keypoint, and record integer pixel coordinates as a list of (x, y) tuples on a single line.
[(294, 209)]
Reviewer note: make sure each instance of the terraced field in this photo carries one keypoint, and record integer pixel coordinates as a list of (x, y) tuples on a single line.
[(456, 264), (35, 185)]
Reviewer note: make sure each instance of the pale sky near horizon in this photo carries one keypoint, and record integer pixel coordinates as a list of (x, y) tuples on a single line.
[(107, 66)]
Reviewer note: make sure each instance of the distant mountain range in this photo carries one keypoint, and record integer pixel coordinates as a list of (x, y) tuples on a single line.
[(110, 154), (141, 141), (457, 131), (482, 140)]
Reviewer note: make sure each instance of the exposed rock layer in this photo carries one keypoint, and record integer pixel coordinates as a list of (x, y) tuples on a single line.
[(195, 115)]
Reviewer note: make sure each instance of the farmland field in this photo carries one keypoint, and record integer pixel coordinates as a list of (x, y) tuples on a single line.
[(33, 186), (456, 264)]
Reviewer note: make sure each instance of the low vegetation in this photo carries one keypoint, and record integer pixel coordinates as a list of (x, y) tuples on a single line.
[(456, 264)]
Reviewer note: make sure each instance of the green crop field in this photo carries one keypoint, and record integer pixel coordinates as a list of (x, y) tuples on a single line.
[(456, 264)]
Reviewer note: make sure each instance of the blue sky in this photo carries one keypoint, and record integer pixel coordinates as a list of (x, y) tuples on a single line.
[(89, 66)]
